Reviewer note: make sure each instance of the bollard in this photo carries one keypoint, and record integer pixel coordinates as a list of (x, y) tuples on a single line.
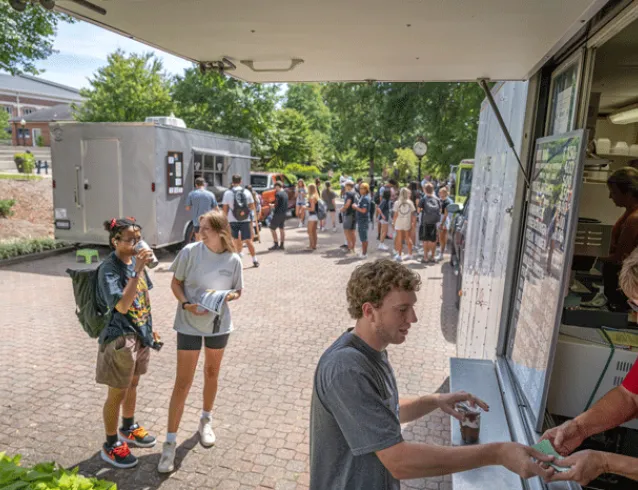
[(46, 167), (37, 166)]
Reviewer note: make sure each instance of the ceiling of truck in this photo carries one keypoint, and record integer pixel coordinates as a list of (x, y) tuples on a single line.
[(350, 40)]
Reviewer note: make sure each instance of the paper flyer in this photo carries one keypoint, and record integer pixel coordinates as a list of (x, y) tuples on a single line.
[(212, 300)]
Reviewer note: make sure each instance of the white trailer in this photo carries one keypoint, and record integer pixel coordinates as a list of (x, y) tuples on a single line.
[(145, 170)]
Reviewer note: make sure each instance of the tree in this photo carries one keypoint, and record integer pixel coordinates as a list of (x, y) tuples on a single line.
[(129, 88), (218, 103), (26, 37), (295, 141), (4, 123), (406, 163)]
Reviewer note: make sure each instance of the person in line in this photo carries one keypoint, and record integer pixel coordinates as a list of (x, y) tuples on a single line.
[(430, 220), (446, 220), (349, 219), (415, 197), (618, 406), (238, 202), (313, 219), (342, 183), (211, 264), (300, 197), (199, 201), (329, 196), (362, 208), (623, 191), (124, 349), (357, 187), (403, 212), (254, 213), (278, 219), (383, 211), (356, 411)]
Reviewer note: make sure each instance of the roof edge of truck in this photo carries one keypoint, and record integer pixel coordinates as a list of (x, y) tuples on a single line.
[(140, 123)]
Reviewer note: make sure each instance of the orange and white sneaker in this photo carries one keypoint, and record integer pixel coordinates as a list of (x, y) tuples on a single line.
[(136, 435), (118, 455)]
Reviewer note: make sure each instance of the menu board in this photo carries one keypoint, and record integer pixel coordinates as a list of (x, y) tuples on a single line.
[(175, 172), (552, 216)]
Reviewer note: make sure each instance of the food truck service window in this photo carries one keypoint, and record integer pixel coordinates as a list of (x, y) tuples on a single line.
[(563, 97), (552, 216)]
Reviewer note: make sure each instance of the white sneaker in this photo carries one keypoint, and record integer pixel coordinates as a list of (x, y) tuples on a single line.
[(167, 460), (334, 230), (362, 256), (321, 229), (438, 257), (408, 257), (397, 257), (206, 434), (300, 225)]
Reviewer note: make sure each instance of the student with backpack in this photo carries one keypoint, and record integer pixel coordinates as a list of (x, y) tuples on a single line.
[(430, 219), (211, 264), (126, 339), (363, 218), (238, 203), (383, 212)]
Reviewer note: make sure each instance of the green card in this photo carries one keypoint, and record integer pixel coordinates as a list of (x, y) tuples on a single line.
[(546, 447)]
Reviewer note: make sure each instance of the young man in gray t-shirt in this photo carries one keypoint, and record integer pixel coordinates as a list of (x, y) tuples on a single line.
[(356, 412)]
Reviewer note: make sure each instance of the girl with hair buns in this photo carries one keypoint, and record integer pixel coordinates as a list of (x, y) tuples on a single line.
[(623, 191), (211, 264), (124, 344)]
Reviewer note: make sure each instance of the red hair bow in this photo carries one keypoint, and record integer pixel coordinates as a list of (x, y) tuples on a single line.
[(113, 222)]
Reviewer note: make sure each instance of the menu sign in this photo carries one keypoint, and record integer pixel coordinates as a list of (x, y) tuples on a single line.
[(175, 172), (552, 216)]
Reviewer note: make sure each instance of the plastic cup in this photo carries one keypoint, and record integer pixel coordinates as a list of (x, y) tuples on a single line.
[(471, 423)]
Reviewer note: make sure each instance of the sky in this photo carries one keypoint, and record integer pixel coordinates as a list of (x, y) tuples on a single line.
[(83, 48)]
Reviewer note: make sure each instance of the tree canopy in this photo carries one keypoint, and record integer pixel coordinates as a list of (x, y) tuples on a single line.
[(26, 37), (129, 88)]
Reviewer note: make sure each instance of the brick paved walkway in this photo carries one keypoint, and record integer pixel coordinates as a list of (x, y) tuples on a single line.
[(293, 307)]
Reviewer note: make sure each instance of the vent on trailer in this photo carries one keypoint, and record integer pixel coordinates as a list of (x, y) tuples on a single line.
[(167, 121)]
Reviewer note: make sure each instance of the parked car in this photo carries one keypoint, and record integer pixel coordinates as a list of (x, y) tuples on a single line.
[(264, 184), (457, 238)]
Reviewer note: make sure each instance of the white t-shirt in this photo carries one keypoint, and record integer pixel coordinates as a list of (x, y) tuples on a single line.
[(403, 212), (200, 269), (229, 199)]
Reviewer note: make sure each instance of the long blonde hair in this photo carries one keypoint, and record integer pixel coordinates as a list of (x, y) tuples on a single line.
[(219, 223), (404, 195), (313, 193)]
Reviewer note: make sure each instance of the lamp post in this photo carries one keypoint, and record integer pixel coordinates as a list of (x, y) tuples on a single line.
[(23, 123), (420, 148)]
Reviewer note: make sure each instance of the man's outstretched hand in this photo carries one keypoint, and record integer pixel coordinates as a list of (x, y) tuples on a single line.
[(447, 402), (566, 437)]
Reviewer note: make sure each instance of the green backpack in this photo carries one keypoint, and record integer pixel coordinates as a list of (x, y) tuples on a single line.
[(91, 311)]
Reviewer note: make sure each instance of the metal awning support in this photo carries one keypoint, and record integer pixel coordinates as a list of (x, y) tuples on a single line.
[(222, 153), (488, 93)]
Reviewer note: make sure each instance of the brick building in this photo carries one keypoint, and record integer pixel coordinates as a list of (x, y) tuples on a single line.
[(37, 124), (23, 95)]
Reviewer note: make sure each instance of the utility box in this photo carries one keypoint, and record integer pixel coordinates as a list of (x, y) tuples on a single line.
[(145, 170)]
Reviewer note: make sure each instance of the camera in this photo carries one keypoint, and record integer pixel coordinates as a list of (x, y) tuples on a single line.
[(157, 345)]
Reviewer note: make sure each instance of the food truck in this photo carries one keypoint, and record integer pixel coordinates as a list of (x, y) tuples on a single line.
[(548, 137), (144, 170)]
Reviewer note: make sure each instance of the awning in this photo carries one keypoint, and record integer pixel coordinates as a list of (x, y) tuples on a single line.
[(336, 40), (223, 153)]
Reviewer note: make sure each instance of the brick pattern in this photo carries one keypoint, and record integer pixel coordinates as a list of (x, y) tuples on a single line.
[(50, 406)]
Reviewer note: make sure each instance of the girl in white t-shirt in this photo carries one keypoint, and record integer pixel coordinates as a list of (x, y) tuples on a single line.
[(403, 211), (210, 264)]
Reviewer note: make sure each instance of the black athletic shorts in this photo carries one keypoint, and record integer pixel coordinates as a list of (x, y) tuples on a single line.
[(277, 221), (194, 342), (427, 233)]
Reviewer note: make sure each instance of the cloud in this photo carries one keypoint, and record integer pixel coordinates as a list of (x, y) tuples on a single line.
[(83, 48)]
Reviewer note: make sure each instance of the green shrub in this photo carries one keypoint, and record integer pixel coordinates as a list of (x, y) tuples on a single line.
[(15, 248), (39, 141), (5, 207), (45, 476), (302, 171), (25, 162)]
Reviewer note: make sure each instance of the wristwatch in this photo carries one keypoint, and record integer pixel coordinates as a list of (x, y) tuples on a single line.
[(186, 303), (134, 274)]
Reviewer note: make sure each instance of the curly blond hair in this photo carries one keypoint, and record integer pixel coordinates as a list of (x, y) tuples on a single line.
[(371, 282), (628, 279)]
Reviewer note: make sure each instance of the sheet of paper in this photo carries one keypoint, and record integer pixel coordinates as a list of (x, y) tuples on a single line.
[(623, 338), (213, 300), (546, 447)]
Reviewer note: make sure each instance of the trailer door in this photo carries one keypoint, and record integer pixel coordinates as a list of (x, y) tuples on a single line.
[(101, 183)]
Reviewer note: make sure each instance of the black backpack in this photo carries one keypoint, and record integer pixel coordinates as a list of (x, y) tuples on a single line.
[(91, 311), (241, 211)]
